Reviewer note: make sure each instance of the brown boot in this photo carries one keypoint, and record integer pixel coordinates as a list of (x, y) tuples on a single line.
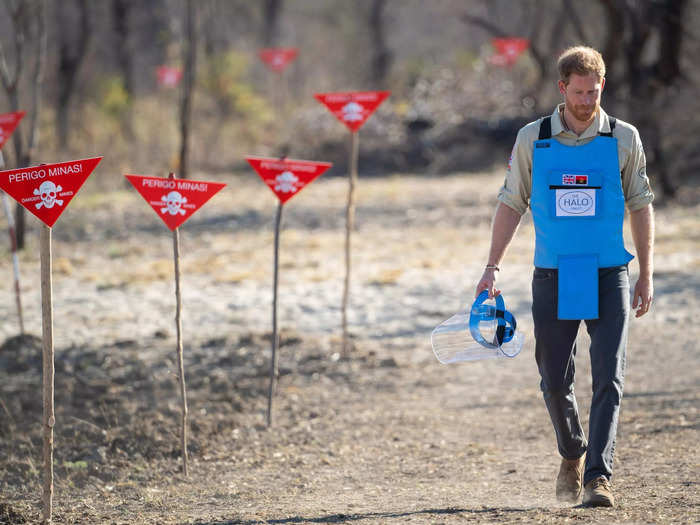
[(570, 479), (598, 493)]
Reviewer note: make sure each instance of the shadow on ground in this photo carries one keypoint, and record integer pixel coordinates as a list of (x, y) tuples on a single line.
[(486, 512)]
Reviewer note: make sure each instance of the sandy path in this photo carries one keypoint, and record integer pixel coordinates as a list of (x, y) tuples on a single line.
[(388, 436)]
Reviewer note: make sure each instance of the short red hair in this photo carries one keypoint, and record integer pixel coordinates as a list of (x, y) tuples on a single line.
[(581, 60)]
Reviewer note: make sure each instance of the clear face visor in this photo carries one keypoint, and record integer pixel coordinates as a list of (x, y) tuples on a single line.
[(485, 331)]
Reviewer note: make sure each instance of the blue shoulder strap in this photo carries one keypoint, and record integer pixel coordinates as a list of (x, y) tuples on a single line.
[(483, 312)]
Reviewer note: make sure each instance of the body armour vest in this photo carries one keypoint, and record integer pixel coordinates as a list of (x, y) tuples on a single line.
[(578, 208)]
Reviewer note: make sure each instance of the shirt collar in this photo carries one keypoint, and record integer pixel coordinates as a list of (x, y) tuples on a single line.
[(601, 124)]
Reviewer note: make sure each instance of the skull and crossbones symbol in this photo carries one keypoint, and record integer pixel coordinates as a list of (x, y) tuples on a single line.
[(286, 182), (352, 112), (48, 192), (173, 203)]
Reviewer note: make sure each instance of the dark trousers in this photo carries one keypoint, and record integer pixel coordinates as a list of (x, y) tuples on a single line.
[(555, 348)]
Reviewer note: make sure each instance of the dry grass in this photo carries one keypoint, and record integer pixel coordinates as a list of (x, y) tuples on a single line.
[(386, 277)]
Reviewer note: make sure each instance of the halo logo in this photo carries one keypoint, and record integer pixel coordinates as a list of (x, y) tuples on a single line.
[(575, 202)]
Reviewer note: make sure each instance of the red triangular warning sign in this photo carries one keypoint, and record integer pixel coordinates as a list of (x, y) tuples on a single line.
[(508, 50), (286, 177), (168, 76), (47, 189), (278, 58), (174, 200), (353, 108), (8, 123)]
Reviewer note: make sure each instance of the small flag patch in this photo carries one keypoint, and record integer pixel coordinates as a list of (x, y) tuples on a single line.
[(574, 180)]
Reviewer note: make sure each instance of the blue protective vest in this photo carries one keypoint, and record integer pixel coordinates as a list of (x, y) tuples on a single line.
[(578, 208)]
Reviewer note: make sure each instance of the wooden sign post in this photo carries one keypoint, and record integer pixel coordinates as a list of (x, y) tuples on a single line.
[(175, 201), (285, 177), (180, 358), (45, 191), (352, 109), (274, 362), (47, 367)]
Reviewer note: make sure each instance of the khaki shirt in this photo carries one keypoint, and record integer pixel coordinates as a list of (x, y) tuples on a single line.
[(517, 187)]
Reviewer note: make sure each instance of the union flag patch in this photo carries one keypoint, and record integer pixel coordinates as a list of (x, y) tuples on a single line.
[(574, 180)]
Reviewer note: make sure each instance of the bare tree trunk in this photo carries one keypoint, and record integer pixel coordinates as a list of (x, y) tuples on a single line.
[(271, 16), (37, 81), (22, 15), (190, 55), (28, 156), (120, 13), (18, 142), (671, 27), (381, 61), (630, 28), (11, 84), (70, 59)]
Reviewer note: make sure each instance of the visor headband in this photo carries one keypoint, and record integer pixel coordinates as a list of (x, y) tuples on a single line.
[(481, 312)]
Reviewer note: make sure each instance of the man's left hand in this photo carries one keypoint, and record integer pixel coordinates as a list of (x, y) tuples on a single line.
[(643, 295)]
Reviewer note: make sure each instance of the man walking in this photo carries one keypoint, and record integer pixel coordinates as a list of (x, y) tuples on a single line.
[(577, 169)]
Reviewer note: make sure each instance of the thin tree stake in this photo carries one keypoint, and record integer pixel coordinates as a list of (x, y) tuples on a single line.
[(274, 364), (180, 360), (49, 419), (15, 259), (349, 225)]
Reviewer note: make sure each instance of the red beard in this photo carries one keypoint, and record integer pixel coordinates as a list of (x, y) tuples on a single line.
[(583, 113)]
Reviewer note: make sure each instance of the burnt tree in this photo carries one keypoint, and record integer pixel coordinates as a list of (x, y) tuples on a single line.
[(189, 52), (121, 11), (72, 48), (545, 38), (637, 31), (381, 54), (641, 44), (272, 9), (29, 24)]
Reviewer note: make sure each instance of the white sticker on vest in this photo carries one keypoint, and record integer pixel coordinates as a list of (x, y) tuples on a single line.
[(575, 203)]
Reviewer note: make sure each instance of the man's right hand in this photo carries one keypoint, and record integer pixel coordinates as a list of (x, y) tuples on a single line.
[(487, 281)]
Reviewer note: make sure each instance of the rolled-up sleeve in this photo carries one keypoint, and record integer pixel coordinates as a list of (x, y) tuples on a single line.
[(635, 182), (517, 186)]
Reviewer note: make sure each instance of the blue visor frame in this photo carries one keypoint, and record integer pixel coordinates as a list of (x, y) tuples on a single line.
[(481, 312)]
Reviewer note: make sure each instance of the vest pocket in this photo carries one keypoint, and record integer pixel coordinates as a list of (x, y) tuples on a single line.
[(577, 291)]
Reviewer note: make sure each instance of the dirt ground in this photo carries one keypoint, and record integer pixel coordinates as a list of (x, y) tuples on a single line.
[(385, 435)]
